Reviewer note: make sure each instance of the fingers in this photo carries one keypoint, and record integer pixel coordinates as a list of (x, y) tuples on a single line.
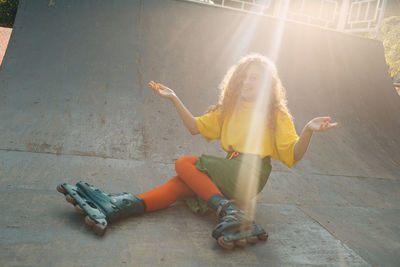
[(325, 119), (156, 86), (153, 85), (333, 125), (323, 123), (326, 126), (160, 86)]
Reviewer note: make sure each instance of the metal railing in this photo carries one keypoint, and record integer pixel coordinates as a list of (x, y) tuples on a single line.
[(339, 15)]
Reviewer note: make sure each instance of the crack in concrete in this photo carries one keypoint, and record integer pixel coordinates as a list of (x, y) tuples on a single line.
[(83, 154), (104, 156)]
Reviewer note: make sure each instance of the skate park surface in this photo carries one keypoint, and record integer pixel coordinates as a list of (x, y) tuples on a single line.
[(75, 105)]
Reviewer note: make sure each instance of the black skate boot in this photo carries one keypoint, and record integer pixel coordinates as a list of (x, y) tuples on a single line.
[(234, 227), (101, 208)]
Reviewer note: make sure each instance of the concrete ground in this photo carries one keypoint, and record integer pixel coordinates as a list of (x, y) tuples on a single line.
[(74, 106)]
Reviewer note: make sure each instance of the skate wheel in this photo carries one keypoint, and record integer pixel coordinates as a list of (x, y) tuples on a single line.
[(263, 237), (80, 210), (224, 244), (241, 242), (61, 189), (70, 199), (89, 221), (252, 239), (99, 229)]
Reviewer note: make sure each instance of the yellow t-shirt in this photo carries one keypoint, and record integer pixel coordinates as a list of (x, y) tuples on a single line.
[(245, 132)]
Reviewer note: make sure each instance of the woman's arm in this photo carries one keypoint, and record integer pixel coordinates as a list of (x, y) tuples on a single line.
[(184, 113), (315, 125)]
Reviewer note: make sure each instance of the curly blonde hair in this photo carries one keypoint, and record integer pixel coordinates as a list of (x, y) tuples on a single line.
[(232, 82)]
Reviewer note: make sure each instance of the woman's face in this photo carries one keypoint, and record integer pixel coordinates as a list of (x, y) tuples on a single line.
[(253, 81)]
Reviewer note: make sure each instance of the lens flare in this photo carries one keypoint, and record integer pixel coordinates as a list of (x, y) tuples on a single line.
[(248, 180)]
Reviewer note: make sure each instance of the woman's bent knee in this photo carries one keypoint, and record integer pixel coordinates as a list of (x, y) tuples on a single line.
[(184, 161)]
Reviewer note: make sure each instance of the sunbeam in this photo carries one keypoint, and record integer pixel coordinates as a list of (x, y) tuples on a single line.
[(248, 174)]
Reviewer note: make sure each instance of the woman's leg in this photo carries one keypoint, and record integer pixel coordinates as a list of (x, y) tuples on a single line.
[(163, 196), (196, 180), (189, 182)]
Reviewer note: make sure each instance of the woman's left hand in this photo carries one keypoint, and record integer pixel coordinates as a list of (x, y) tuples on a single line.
[(321, 124)]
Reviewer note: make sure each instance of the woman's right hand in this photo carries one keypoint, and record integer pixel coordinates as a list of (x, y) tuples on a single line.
[(162, 90)]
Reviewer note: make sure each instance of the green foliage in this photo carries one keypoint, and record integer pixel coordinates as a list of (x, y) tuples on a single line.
[(390, 37), (8, 10)]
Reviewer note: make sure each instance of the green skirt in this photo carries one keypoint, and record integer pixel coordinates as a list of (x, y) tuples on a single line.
[(239, 177)]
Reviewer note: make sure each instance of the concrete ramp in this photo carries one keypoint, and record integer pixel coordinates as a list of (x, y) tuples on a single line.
[(74, 105)]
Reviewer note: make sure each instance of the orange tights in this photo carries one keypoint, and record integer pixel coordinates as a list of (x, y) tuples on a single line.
[(189, 182)]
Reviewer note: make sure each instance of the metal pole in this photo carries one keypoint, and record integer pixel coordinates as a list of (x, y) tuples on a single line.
[(379, 23), (343, 15)]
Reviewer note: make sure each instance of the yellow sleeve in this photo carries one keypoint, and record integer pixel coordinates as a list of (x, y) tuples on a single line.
[(285, 138), (209, 125)]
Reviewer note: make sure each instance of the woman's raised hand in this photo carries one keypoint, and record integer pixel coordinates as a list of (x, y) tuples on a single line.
[(184, 113), (321, 124), (162, 90)]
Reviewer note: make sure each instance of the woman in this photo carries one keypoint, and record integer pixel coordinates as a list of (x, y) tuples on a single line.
[(253, 123)]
